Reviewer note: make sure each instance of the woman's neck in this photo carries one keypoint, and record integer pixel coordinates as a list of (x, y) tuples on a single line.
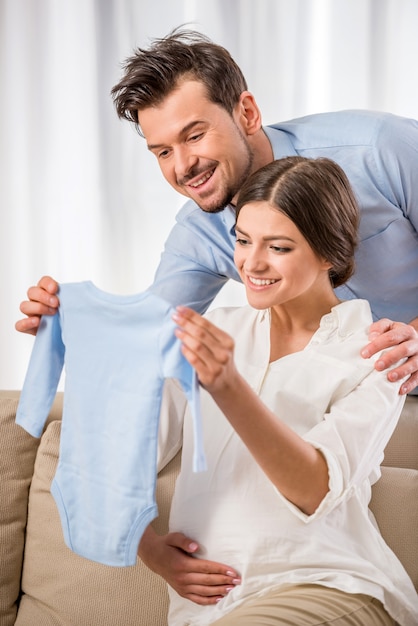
[(293, 325)]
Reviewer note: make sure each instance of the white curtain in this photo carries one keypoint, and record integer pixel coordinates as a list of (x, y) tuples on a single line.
[(80, 196)]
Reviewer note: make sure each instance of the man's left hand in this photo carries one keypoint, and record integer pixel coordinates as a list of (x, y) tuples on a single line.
[(403, 341)]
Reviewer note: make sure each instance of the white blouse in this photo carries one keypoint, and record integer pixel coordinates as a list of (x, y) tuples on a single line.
[(334, 399)]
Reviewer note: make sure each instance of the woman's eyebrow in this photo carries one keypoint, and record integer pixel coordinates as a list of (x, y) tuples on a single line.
[(267, 237)]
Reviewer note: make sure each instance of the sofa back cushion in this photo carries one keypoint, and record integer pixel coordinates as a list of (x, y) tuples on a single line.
[(402, 449), (394, 504)]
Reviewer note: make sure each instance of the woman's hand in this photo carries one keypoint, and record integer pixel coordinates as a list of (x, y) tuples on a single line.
[(173, 557), (207, 348)]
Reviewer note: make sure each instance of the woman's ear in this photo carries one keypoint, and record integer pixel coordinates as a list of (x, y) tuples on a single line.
[(327, 266), (249, 115)]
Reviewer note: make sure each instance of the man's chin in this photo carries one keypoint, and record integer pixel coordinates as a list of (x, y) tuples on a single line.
[(212, 209), (215, 208)]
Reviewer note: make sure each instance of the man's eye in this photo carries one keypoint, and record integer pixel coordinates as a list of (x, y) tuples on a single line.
[(196, 137)]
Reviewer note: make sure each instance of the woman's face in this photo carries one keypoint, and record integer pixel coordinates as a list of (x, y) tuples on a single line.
[(275, 262)]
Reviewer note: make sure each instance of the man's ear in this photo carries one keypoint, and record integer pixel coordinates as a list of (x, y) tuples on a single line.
[(249, 115)]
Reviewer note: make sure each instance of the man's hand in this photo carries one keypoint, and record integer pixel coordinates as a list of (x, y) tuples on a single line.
[(42, 301), (171, 556), (403, 339)]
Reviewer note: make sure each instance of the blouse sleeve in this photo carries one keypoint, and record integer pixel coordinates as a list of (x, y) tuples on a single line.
[(352, 437)]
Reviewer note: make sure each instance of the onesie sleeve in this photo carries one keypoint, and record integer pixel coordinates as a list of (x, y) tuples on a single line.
[(170, 429), (42, 376)]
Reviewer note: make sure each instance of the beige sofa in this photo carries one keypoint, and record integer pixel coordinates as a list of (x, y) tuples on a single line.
[(42, 583)]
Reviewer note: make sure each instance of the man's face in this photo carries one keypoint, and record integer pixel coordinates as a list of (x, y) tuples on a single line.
[(202, 151)]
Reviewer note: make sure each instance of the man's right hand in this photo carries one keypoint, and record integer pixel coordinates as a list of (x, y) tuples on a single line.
[(42, 301)]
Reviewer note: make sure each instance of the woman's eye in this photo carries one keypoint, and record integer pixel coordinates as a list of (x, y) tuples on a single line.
[(280, 249), (241, 242)]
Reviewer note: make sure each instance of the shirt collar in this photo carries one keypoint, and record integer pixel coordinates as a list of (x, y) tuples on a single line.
[(229, 218), (280, 142)]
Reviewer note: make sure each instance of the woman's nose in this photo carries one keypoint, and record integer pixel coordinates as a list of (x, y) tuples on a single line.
[(255, 260)]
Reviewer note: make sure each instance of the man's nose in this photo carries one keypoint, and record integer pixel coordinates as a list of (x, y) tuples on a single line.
[(184, 161)]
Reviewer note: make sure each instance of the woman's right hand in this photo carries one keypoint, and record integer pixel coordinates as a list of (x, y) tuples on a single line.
[(42, 301), (175, 558)]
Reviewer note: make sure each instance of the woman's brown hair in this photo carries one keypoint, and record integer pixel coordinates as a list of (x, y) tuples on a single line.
[(317, 196)]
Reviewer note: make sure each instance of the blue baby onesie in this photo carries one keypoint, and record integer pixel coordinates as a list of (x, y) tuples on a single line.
[(117, 350)]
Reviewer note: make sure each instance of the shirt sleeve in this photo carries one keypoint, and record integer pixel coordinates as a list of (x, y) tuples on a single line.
[(197, 259), (396, 156), (42, 376), (352, 437)]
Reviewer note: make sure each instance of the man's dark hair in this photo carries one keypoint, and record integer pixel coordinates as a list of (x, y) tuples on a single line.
[(152, 74)]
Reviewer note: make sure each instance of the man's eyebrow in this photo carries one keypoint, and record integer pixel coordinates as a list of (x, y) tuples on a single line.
[(186, 129)]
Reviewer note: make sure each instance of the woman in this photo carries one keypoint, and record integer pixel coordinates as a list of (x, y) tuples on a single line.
[(295, 425)]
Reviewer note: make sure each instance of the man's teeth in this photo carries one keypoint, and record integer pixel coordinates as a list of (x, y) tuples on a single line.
[(262, 281), (201, 180)]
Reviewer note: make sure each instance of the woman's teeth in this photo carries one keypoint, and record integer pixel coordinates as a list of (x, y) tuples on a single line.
[(262, 281)]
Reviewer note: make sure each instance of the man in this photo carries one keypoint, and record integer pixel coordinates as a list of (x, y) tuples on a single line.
[(189, 99)]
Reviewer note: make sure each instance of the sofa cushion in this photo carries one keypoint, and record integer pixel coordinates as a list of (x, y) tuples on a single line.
[(394, 504), (61, 587)]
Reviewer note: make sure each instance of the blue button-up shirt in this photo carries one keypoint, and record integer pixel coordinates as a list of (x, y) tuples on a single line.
[(379, 153)]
